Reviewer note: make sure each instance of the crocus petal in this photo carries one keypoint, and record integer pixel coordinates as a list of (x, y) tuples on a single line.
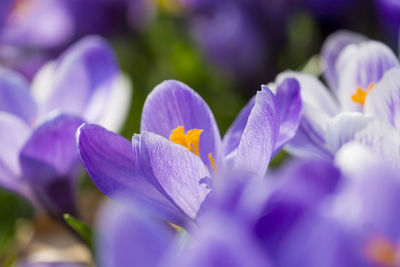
[(383, 139), (313, 92), (331, 50), (384, 100), (49, 162), (289, 101), (117, 108), (13, 134), (343, 128), (224, 241), (172, 104), (110, 163), (15, 97), (359, 66), (178, 173), (258, 140), (309, 140), (128, 237), (81, 80), (232, 136)]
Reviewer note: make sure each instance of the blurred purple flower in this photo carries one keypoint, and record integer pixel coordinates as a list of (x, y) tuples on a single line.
[(35, 31), (364, 79), (171, 171), (38, 158), (389, 14)]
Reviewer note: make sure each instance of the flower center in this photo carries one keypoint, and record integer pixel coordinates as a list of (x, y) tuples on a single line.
[(382, 252), (360, 94), (190, 140)]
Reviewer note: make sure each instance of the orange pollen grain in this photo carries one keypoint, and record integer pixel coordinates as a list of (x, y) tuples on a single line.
[(382, 252), (360, 94)]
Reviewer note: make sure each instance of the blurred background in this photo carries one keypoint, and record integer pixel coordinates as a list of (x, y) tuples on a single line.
[(224, 49)]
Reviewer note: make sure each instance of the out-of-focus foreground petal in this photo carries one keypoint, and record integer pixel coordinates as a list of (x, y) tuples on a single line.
[(128, 237)]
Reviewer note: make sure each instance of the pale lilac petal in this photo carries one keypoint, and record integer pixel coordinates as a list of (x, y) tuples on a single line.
[(127, 237), (310, 140), (360, 66), (13, 134), (384, 100), (289, 101), (313, 92), (15, 97), (117, 108), (343, 129), (50, 164), (258, 140), (110, 163), (172, 104), (178, 173), (331, 50), (383, 139), (81, 80)]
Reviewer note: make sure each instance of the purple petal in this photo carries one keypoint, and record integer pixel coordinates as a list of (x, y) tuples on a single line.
[(15, 97), (13, 134), (129, 238), (110, 163), (50, 164), (258, 140), (313, 92), (289, 101), (233, 135), (172, 104), (331, 50), (384, 100), (223, 241), (81, 81), (359, 66), (175, 171)]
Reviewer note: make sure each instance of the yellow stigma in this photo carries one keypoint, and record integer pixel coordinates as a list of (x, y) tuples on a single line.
[(360, 94), (382, 252), (190, 140), (212, 162)]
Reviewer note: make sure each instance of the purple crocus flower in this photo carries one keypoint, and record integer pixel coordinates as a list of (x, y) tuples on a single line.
[(179, 156), (363, 76), (39, 159)]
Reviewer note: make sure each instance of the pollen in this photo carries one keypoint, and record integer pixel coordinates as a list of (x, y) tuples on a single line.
[(190, 140), (360, 94), (212, 162), (382, 252)]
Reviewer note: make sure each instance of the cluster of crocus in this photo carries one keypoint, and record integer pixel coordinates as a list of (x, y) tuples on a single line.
[(362, 104), (192, 200), (38, 157)]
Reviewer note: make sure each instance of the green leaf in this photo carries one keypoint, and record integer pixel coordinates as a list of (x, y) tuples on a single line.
[(84, 231)]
